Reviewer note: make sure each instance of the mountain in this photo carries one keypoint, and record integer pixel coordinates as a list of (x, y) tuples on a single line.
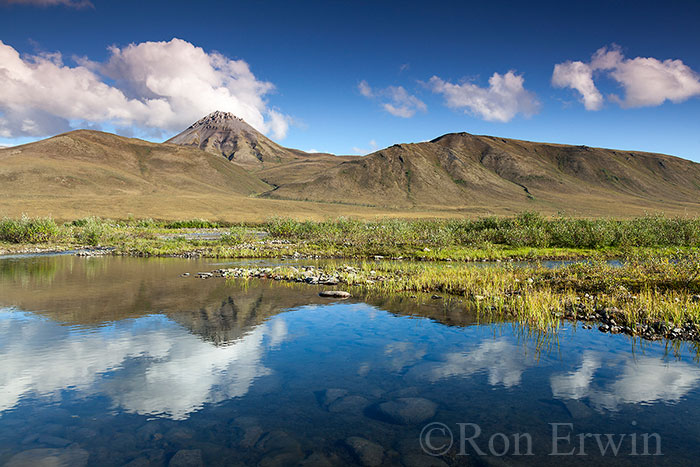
[(222, 168), (460, 169), (222, 133)]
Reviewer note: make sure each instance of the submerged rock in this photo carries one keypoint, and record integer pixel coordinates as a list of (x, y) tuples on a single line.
[(187, 458), (408, 410), (368, 453), (349, 404), (73, 457), (331, 395), (422, 460)]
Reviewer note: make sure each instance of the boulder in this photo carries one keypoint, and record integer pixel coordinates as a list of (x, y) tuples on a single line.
[(407, 410)]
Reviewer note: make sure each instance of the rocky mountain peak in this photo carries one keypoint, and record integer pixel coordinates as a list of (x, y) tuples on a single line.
[(220, 120)]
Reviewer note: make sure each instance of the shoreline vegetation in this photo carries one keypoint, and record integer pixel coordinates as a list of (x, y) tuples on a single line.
[(652, 292)]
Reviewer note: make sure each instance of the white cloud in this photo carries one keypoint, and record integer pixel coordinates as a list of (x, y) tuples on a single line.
[(646, 81), (46, 3), (578, 76), (501, 101), (365, 89), (642, 380), (394, 99), (161, 86)]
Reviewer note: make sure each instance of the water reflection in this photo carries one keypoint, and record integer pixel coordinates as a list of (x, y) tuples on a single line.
[(641, 380), (154, 366), (503, 361), (105, 346)]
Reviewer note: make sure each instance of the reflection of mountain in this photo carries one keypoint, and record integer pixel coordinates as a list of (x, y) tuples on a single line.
[(641, 380), (91, 291), (98, 290), (155, 366)]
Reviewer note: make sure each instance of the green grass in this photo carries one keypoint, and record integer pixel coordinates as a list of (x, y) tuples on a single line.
[(525, 230), (528, 236), (642, 291)]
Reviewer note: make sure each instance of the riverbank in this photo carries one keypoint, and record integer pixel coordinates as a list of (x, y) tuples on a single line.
[(652, 292), (647, 297)]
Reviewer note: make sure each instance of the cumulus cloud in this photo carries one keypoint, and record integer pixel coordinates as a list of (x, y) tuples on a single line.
[(500, 102), (646, 81), (643, 380), (394, 99), (46, 3), (154, 86), (578, 76)]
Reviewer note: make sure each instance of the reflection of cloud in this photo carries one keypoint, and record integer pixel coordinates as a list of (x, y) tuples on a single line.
[(156, 367), (644, 380), (503, 361), (399, 355)]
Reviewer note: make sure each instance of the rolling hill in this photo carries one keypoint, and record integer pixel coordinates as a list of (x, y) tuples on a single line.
[(467, 170), (221, 167)]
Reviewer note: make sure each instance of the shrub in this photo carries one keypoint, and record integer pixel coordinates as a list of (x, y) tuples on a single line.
[(91, 230), (28, 230)]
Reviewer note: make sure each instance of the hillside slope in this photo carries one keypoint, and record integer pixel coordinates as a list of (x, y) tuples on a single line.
[(467, 170), (93, 163)]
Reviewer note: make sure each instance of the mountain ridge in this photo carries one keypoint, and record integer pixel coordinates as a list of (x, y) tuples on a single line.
[(221, 161)]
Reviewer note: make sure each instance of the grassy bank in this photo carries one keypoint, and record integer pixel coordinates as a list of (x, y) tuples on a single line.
[(648, 297), (527, 236)]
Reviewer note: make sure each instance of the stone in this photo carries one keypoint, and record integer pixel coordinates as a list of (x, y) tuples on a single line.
[(278, 441), (148, 431), (278, 459), (577, 409), (422, 460), (251, 435), (330, 395), (349, 404), (408, 410), (316, 459), (334, 294), (138, 462), (436, 297), (367, 453), (53, 441), (187, 458), (50, 457)]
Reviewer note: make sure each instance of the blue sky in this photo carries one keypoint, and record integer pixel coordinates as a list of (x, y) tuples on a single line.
[(350, 76)]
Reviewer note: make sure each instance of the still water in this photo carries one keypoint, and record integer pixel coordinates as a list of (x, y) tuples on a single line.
[(114, 361)]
